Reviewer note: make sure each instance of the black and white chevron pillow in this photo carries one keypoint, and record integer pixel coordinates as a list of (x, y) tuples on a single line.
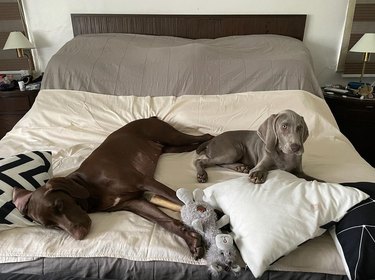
[(29, 171)]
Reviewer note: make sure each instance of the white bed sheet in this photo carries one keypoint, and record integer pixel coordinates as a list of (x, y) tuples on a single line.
[(72, 123)]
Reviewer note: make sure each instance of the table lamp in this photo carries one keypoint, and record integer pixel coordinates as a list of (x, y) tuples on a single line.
[(365, 45), (19, 42)]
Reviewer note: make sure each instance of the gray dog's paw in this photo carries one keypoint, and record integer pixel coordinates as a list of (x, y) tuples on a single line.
[(258, 177), (202, 177), (243, 168)]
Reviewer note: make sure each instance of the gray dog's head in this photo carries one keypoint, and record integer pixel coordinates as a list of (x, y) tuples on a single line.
[(286, 131)]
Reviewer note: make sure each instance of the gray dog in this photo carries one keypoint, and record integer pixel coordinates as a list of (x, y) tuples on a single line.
[(278, 144)]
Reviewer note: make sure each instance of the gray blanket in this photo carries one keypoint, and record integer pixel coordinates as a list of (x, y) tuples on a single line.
[(111, 268), (142, 65)]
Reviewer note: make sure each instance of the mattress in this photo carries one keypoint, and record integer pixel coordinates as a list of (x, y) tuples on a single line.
[(72, 123)]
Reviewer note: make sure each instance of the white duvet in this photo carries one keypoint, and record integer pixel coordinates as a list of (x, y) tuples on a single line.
[(71, 124)]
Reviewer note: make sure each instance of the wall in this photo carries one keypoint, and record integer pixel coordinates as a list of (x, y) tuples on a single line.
[(50, 26)]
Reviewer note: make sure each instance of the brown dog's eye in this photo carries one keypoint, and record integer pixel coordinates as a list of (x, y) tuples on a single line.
[(284, 126), (58, 206), (51, 226)]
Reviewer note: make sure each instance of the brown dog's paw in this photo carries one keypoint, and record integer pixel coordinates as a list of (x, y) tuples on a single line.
[(243, 168), (192, 238), (258, 177), (202, 177), (194, 241)]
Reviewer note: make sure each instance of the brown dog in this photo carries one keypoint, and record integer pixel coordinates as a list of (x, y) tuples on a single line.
[(114, 177)]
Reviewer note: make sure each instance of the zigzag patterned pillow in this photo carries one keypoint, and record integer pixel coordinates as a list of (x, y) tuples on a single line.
[(29, 171)]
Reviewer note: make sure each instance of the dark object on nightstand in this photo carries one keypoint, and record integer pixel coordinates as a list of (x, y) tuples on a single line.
[(13, 106), (356, 120), (7, 87)]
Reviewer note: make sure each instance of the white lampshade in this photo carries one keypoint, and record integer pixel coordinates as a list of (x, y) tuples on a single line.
[(366, 44), (17, 40)]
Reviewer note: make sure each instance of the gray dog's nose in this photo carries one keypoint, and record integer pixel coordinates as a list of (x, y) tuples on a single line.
[(295, 147)]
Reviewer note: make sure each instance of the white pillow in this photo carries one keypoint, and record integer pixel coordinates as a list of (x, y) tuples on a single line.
[(272, 219)]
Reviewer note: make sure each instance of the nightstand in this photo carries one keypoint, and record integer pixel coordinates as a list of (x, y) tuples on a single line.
[(13, 106), (356, 120)]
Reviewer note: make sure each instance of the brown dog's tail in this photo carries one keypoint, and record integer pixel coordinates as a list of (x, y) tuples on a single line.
[(202, 147), (179, 149)]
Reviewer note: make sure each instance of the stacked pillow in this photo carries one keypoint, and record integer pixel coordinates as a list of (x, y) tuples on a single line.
[(270, 220), (354, 236)]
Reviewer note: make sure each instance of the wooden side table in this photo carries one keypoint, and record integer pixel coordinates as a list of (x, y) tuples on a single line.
[(356, 120), (13, 106)]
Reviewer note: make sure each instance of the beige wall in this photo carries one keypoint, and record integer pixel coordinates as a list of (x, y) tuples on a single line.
[(50, 27)]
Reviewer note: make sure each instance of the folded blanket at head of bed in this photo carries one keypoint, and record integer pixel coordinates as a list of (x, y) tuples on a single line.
[(147, 65)]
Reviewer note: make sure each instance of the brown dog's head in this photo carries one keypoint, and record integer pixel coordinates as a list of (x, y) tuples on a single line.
[(55, 205)]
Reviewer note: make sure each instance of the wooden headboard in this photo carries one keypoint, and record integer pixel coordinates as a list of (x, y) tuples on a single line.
[(190, 26)]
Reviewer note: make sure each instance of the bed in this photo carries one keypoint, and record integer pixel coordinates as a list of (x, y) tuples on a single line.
[(201, 74)]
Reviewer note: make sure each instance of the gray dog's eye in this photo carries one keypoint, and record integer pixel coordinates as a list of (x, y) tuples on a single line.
[(284, 126)]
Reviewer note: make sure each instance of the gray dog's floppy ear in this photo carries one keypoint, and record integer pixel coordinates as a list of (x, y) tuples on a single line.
[(67, 185), (305, 130), (21, 198), (267, 133)]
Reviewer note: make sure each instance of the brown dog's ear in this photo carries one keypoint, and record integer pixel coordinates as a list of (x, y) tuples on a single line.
[(21, 198), (267, 132), (305, 130), (67, 185)]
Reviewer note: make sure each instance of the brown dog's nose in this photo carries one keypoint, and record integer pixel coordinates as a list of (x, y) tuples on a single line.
[(80, 231), (295, 147)]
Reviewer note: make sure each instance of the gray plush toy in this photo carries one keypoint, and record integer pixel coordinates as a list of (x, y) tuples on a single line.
[(201, 216)]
